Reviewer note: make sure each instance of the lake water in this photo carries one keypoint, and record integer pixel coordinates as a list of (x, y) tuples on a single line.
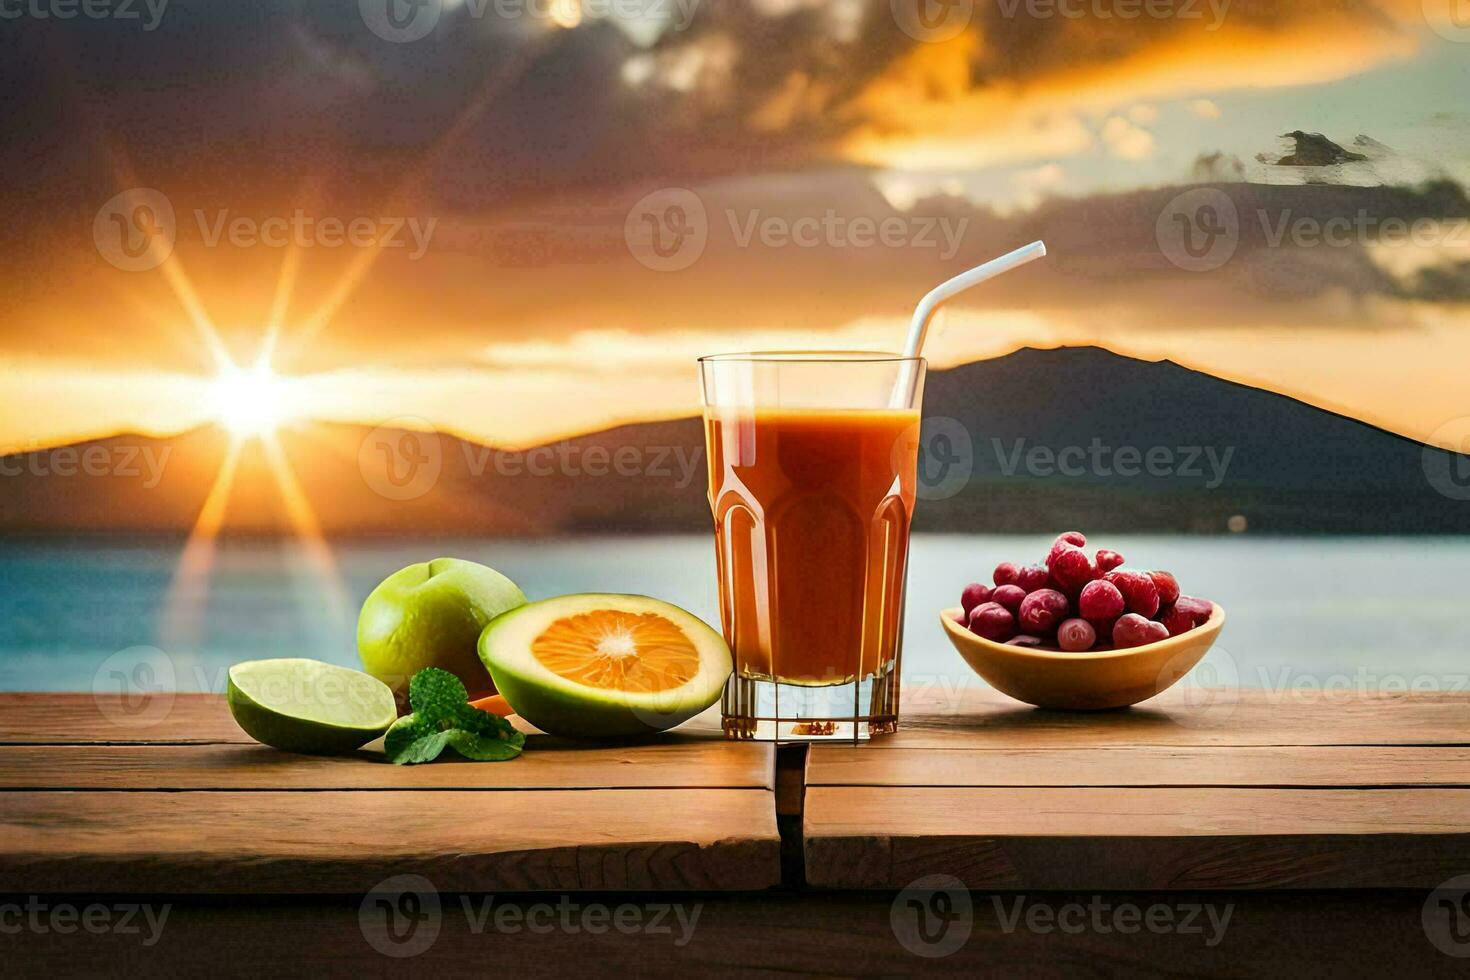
[(1362, 612)]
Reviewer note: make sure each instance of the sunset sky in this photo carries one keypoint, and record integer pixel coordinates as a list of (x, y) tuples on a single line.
[(505, 160)]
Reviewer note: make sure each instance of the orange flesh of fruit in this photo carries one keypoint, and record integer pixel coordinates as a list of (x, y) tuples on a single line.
[(495, 704), (618, 651)]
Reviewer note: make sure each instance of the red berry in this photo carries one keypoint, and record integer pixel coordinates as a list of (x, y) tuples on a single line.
[(1041, 610), (1132, 630), (1005, 573), (1100, 600), (1176, 620), (1107, 560), (1032, 577), (1009, 596), (1198, 609), (1067, 539), (1167, 585), (1072, 569), (1128, 631), (1024, 640), (974, 594), (1076, 635), (1139, 592), (992, 621)]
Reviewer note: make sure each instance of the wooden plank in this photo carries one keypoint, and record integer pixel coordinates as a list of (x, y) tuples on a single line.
[(334, 841), (1100, 838), (780, 934), (1167, 812), (667, 761), (47, 718), (935, 716), (938, 717), (1254, 765)]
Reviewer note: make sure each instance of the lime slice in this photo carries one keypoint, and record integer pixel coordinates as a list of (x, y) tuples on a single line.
[(600, 665), (308, 706)]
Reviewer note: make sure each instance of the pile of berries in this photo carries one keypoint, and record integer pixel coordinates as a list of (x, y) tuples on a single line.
[(1075, 602)]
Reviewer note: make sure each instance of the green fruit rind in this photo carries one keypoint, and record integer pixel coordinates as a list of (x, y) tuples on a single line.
[(307, 706), (560, 706)]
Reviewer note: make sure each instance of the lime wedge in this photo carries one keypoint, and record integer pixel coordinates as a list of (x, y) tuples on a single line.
[(308, 706)]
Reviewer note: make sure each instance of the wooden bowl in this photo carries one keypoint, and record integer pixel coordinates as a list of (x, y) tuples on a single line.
[(1088, 681)]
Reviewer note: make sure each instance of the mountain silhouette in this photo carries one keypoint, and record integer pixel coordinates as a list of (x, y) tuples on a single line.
[(1033, 441), (1315, 150)]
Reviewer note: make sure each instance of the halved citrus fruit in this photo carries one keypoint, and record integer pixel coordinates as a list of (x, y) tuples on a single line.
[(308, 706), (597, 665)]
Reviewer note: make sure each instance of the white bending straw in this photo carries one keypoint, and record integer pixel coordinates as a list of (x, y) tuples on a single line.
[(942, 293)]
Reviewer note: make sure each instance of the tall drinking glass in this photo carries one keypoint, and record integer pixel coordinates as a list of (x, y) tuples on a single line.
[(812, 459)]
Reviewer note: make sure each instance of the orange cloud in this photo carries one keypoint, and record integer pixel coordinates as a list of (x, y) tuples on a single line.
[(966, 103)]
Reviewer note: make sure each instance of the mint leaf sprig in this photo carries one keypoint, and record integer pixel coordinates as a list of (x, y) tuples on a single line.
[(441, 717)]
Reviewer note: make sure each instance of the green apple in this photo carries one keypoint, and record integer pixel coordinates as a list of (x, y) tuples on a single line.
[(431, 615)]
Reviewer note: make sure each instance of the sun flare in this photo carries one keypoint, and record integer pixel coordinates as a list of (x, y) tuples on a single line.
[(249, 402)]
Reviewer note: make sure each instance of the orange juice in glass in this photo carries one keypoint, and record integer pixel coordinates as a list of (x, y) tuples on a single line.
[(812, 460)]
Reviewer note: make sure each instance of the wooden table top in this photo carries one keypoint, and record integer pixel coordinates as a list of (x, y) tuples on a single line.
[(1247, 790), (1239, 789), (100, 796)]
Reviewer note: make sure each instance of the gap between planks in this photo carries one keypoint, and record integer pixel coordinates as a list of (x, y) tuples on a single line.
[(790, 783)]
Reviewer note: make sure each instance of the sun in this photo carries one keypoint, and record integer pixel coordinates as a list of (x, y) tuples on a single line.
[(249, 402)]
